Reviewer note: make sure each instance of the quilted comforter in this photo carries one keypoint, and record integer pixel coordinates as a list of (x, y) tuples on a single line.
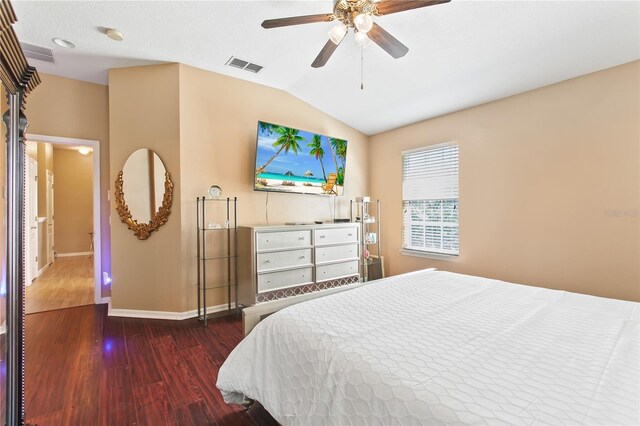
[(440, 348)]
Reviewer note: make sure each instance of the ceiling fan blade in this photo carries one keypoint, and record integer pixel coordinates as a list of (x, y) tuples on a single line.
[(296, 20), (324, 54), (386, 7), (389, 43)]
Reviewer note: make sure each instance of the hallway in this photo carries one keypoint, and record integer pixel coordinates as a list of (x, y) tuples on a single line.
[(68, 282)]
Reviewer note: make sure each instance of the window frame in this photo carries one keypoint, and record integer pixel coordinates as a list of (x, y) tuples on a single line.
[(427, 253)]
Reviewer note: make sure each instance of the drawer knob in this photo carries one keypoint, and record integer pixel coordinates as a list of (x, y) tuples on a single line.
[(267, 261), (350, 235), (322, 236), (301, 238), (301, 257)]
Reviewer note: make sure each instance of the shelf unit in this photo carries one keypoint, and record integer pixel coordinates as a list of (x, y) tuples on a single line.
[(371, 267), (226, 263)]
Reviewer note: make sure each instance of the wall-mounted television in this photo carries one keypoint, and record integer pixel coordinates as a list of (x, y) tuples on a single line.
[(297, 161)]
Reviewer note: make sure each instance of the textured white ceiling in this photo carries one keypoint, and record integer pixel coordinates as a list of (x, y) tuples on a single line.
[(461, 54)]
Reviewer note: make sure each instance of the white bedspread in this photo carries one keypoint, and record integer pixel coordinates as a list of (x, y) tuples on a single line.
[(440, 348)]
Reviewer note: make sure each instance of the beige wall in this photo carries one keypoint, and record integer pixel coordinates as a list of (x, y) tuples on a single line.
[(144, 112), (204, 129), (538, 173), (218, 126), (73, 200), (549, 162), (76, 109)]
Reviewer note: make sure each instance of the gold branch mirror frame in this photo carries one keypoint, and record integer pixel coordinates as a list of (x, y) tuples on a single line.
[(144, 193)]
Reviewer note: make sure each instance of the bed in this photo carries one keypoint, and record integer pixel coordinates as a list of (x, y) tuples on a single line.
[(434, 347)]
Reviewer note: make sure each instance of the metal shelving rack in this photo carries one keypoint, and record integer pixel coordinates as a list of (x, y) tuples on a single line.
[(373, 263), (229, 259)]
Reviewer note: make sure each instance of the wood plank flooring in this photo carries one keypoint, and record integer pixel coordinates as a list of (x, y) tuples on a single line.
[(66, 283), (85, 368)]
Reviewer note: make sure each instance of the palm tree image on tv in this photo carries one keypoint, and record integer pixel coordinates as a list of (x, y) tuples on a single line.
[(339, 149), (288, 140), (292, 160), (318, 152)]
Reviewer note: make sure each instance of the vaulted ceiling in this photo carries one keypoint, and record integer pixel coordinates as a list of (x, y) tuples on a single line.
[(462, 54)]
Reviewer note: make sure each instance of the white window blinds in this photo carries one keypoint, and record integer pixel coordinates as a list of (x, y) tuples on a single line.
[(431, 174), (430, 200)]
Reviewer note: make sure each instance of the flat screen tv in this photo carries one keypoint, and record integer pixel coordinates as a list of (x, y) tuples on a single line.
[(297, 161)]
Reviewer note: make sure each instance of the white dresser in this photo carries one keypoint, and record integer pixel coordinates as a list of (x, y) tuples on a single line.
[(276, 262)]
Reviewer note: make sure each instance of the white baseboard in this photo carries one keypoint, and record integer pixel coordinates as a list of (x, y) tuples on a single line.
[(165, 315), (3, 327), (106, 300), (41, 271), (82, 253)]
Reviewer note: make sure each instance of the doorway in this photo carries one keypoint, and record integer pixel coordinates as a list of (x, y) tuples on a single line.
[(69, 257), (31, 221), (50, 240)]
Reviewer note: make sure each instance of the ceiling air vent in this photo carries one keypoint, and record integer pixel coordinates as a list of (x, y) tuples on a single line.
[(37, 52), (244, 65)]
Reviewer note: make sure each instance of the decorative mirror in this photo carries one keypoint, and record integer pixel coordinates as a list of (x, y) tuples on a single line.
[(144, 193)]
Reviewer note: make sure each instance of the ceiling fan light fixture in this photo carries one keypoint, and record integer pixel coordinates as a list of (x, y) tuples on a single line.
[(363, 22), (337, 33), (362, 40), (114, 34)]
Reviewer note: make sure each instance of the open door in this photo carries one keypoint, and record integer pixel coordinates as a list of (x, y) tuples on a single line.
[(50, 218), (31, 221)]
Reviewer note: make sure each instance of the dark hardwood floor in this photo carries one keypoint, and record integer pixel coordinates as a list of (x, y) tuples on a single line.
[(85, 368)]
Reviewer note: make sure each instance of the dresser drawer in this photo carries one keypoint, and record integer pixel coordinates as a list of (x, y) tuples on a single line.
[(283, 239), (283, 259), (336, 270), (333, 253), (277, 280), (336, 236)]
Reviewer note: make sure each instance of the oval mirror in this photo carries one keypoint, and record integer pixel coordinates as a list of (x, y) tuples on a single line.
[(144, 193)]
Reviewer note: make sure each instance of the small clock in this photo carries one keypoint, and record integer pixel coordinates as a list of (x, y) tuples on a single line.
[(215, 191)]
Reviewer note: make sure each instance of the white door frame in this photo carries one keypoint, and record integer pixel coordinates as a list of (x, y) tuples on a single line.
[(97, 247), (51, 214), (30, 218)]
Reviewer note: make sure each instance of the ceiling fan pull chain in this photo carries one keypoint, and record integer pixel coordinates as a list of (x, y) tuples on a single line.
[(362, 68)]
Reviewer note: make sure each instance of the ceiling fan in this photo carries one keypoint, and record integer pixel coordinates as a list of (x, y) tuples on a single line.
[(356, 15)]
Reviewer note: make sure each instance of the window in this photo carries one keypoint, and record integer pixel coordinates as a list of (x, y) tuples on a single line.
[(430, 200)]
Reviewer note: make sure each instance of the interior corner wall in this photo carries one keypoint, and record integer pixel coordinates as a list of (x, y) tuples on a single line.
[(549, 185), (218, 127), (144, 113), (73, 200), (76, 109)]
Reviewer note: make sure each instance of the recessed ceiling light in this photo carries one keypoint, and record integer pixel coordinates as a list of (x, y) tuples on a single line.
[(84, 150), (63, 43), (114, 34)]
